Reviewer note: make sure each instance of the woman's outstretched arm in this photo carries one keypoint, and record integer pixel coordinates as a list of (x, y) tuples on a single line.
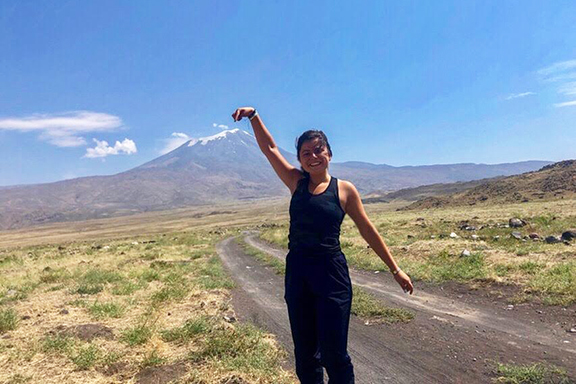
[(355, 210), (286, 171)]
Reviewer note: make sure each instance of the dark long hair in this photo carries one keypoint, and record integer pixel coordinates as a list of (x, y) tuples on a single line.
[(311, 135)]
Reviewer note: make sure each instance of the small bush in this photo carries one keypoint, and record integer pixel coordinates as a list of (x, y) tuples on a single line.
[(57, 343)]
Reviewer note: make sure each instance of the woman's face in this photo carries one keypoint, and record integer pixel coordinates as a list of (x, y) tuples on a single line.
[(314, 157)]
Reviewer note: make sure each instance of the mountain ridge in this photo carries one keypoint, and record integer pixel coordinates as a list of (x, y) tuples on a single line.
[(225, 167)]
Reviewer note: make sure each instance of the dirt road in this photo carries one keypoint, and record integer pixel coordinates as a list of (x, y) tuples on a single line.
[(453, 339)]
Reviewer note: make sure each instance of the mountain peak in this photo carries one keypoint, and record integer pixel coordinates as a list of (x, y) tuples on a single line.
[(218, 136)]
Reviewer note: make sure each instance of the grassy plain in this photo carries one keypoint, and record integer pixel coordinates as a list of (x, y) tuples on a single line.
[(421, 243), (126, 310), (156, 292)]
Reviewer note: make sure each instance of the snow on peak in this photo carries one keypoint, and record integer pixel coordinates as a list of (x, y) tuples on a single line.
[(218, 136)]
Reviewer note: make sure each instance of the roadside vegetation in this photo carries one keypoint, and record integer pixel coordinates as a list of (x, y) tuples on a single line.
[(421, 242), (536, 373), (364, 305), (128, 310)]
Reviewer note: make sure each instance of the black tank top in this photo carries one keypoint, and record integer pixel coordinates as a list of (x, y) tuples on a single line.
[(315, 219)]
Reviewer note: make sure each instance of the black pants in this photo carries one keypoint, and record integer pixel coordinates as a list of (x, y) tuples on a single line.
[(319, 297)]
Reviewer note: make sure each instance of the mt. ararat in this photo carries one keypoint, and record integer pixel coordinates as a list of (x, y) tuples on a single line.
[(225, 167)]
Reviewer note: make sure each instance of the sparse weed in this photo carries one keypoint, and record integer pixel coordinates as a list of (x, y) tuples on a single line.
[(213, 276), (86, 357), (8, 320), (190, 328), (152, 359), (105, 310), (536, 373), (57, 275), (57, 344), (137, 335), (367, 307)]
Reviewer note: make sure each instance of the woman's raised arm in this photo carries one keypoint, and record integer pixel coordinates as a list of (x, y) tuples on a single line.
[(286, 171)]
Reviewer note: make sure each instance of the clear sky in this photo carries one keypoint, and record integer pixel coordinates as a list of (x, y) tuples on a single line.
[(98, 87)]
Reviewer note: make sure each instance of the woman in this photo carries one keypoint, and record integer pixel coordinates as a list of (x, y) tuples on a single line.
[(318, 290)]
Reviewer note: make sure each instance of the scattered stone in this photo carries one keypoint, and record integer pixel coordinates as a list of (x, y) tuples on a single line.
[(465, 253), (26, 317), (470, 228), (64, 312), (229, 318), (432, 236), (569, 235), (410, 236), (97, 246), (572, 330), (454, 236), (106, 247), (496, 237), (475, 237), (516, 235), (134, 243), (420, 219), (516, 223), (534, 236), (509, 307), (61, 247), (233, 380), (11, 293), (552, 240)]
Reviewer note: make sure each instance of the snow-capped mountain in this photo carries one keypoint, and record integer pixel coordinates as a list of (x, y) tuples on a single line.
[(224, 167)]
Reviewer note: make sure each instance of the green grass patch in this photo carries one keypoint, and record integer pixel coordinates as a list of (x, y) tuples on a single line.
[(89, 289), (8, 320), (86, 357), (106, 310), (278, 265), (58, 275), (127, 287), (537, 373), (211, 275), (446, 267), (186, 332), (137, 335), (242, 348), (152, 359), (557, 284), (367, 307), (57, 344)]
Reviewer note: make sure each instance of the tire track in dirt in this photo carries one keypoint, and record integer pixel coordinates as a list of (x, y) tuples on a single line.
[(379, 354), (444, 309)]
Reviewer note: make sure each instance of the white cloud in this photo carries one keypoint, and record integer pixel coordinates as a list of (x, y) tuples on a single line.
[(102, 148), (568, 89), (517, 95), (175, 140), (566, 104), (558, 67), (64, 129), (221, 126)]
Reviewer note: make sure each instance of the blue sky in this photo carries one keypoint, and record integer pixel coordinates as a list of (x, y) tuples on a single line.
[(98, 87)]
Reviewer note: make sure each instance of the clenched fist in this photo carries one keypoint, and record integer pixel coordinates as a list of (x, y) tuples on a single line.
[(242, 112)]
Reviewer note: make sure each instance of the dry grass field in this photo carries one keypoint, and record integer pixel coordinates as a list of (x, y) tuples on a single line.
[(421, 242), (127, 300), (144, 297)]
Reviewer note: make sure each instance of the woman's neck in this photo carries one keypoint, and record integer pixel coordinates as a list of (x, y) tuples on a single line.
[(320, 178)]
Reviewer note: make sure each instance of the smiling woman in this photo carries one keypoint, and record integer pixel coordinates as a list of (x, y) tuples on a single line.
[(318, 290)]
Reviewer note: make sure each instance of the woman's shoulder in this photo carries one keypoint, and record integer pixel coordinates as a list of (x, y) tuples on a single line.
[(346, 185)]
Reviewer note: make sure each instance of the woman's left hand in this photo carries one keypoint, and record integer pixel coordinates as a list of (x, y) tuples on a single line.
[(404, 280)]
